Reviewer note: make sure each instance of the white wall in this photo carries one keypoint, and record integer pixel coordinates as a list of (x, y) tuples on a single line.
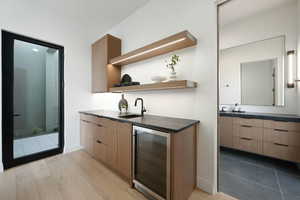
[(28, 19), (280, 21), (298, 54), (154, 21)]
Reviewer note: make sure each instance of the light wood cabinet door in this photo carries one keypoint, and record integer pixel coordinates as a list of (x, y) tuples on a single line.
[(99, 142), (282, 126), (275, 139), (100, 152), (104, 76), (108, 141), (280, 137), (99, 133), (99, 62), (111, 140), (86, 136), (247, 144), (249, 132), (124, 146), (83, 129), (226, 131), (284, 152)]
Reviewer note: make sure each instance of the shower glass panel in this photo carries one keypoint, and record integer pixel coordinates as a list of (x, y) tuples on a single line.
[(35, 99)]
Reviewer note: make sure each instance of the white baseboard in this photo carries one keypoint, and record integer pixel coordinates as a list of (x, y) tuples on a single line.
[(206, 186), (71, 149), (1, 167)]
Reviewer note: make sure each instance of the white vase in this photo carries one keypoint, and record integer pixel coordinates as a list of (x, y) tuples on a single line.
[(173, 76)]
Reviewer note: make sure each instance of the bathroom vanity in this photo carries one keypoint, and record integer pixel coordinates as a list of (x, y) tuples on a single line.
[(154, 154), (271, 135)]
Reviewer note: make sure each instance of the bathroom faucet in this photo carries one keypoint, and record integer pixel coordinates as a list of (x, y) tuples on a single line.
[(222, 108), (142, 108), (236, 108)]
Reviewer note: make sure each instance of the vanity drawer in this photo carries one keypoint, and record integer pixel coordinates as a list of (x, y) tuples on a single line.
[(249, 122), (251, 132), (280, 151), (285, 126), (246, 144), (282, 137)]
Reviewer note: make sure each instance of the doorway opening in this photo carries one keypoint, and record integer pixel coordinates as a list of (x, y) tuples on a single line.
[(258, 120)]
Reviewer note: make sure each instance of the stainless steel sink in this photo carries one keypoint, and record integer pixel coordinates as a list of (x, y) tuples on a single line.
[(128, 116)]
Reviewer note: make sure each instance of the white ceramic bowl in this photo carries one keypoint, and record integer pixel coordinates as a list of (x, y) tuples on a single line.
[(158, 79)]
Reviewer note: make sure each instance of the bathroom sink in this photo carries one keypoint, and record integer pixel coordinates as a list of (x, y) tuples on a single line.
[(128, 116)]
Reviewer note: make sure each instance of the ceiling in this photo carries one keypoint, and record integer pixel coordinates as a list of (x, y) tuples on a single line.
[(238, 9), (93, 14)]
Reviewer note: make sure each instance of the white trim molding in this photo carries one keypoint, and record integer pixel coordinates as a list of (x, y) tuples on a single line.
[(71, 149), (206, 185)]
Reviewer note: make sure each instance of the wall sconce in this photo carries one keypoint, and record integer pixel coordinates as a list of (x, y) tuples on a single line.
[(291, 55)]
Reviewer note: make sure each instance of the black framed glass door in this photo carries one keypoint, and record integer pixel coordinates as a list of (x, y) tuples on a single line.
[(32, 99)]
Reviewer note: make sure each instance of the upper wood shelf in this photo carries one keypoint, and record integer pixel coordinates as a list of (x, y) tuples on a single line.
[(181, 84), (175, 42)]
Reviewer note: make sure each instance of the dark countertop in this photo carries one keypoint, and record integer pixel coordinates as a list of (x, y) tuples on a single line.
[(267, 116), (155, 122)]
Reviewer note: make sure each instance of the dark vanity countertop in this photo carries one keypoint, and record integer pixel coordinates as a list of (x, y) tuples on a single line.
[(267, 116), (155, 122)]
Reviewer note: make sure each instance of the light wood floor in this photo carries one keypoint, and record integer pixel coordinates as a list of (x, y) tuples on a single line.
[(73, 176)]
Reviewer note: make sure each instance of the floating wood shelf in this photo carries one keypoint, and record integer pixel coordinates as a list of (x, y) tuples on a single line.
[(175, 42), (156, 86)]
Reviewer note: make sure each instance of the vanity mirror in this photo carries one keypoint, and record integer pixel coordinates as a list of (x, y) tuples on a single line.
[(253, 73), (259, 79)]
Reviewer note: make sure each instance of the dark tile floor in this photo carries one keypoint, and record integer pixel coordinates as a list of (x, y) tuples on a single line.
[(252, 177)]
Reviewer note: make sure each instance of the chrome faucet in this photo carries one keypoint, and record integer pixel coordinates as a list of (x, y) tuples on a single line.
[(142, 108), (222, 108), (236, 108)]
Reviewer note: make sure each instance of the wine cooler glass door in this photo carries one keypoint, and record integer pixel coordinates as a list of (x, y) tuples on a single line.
[(152, 161)]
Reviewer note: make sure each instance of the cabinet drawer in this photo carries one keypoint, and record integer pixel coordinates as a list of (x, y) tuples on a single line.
[(280, 151), (88, 118), (86, 136), (100, 133), (104, 122), (282, 137), (100, 151), (250, 132), (249, 122), (246, 144), (287, 126), (94, 119)]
